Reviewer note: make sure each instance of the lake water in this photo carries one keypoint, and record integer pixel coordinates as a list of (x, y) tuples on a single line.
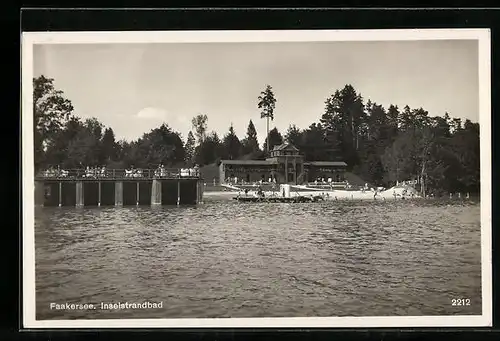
[(228, 259)]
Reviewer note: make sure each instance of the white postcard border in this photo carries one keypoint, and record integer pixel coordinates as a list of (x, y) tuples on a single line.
[(141, 37)]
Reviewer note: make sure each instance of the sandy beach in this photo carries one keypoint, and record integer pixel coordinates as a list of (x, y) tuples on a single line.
[(397, 192)]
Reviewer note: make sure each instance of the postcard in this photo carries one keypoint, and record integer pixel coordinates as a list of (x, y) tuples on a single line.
[(288, 178)]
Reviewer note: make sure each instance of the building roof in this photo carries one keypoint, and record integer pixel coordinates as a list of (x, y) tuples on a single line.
[(327, 163), (285, 146), (248, 162)]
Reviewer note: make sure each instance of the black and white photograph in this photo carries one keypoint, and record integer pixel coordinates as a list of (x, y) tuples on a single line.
[(307, 178)]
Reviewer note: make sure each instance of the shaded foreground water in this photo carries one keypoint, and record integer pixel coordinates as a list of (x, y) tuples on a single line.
[(224, 259)]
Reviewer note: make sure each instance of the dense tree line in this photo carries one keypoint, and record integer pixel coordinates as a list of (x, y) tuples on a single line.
[(381, 145)]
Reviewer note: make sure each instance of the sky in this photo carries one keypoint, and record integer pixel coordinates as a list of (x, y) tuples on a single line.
[(134, 88)]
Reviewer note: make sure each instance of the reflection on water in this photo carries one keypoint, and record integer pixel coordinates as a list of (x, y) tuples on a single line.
[(224, 259)]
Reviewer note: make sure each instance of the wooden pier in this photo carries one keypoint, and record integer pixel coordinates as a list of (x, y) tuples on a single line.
[(118, 187)]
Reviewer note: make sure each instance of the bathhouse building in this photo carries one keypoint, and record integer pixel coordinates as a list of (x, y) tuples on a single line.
[(285, 165)]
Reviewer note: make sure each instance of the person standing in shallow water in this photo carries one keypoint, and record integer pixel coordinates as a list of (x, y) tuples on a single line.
[(260, 193)]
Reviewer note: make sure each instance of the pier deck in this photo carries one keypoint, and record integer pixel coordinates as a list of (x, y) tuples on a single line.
[(118, 187)]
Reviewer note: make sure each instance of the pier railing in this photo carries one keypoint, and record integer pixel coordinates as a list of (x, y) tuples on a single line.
[(160, 173)]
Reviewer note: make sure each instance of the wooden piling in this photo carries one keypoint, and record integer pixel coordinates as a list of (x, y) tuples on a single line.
[(119, 193), (99, 194), (137, 192), (60, 193), (178, 192), (79, 193), (39, 193), (156, 192)]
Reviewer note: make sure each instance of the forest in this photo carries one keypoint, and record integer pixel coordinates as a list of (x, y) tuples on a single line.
[(380, 145)]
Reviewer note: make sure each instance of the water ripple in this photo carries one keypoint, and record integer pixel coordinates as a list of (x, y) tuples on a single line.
[(224, 259)]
